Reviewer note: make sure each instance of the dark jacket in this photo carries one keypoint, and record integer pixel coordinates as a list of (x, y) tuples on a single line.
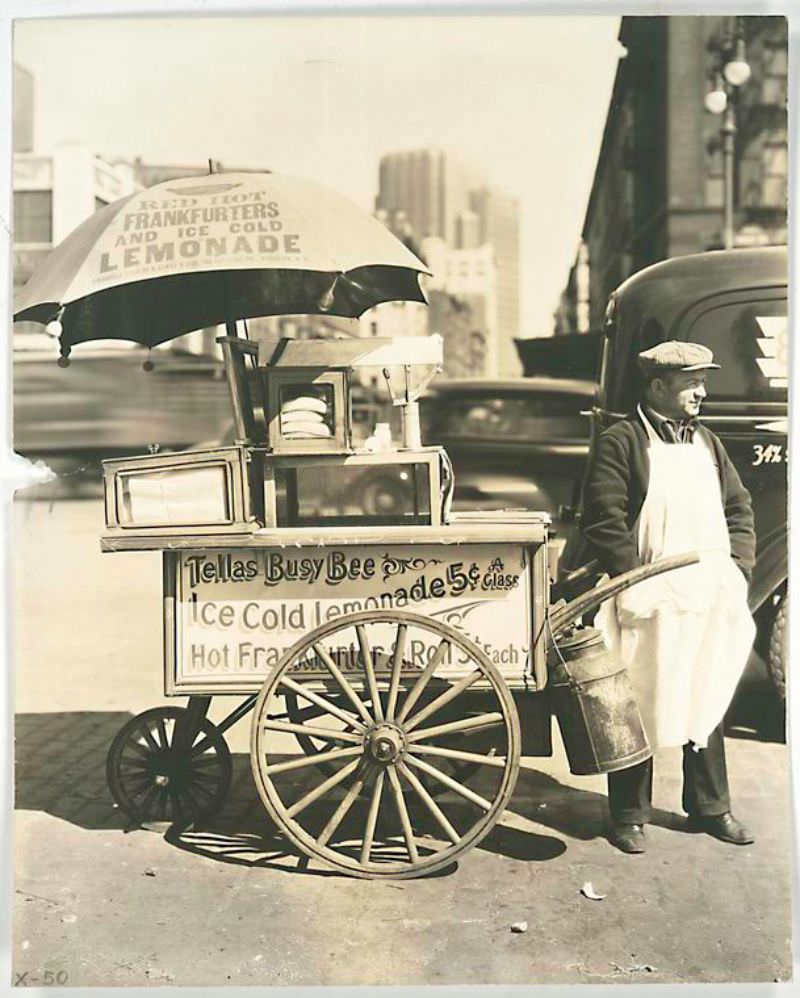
[(615, 487)]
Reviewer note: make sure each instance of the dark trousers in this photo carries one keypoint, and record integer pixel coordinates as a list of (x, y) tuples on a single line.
[(705, 784)]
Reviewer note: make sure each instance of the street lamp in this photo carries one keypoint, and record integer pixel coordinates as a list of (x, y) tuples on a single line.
[(717, 99), (732, 72), (737, 69)]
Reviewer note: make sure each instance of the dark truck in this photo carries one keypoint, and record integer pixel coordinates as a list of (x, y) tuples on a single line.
[(735, 302)]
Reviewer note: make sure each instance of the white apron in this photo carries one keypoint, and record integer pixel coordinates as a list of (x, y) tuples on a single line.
[(683, 636)]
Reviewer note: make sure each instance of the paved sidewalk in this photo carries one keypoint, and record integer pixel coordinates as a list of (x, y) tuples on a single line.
[(229, 904)]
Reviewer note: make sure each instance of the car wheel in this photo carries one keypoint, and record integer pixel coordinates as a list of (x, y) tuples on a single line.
[(384, 497), (778, 653)]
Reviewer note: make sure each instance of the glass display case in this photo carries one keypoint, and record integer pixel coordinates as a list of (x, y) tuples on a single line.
[(208, 491), (383, 489)]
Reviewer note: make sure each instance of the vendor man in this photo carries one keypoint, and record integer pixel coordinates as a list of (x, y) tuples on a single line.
[(661, 484)]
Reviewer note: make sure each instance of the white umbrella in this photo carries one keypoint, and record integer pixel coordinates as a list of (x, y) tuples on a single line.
[(198, 251)]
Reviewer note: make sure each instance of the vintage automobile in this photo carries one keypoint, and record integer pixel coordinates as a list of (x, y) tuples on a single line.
[(514, 443), (518, 443), (735, 302)]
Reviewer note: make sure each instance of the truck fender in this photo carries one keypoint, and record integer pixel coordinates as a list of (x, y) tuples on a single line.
[(771, 569)]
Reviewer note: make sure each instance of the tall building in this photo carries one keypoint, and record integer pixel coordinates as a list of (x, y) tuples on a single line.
[(432, 194), (53, 194), (463, 307), (658, 184), (572, 313), (22, 110), (431, 186), (498, 215)]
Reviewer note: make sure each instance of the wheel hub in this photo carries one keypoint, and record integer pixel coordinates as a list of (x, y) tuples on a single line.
[(166, 767), (385, 743)]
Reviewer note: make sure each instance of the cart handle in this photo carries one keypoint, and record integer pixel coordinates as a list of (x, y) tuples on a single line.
[(559, 589), (562, 616)]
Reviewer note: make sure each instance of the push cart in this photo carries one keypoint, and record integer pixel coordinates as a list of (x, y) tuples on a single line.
[(386, 650)]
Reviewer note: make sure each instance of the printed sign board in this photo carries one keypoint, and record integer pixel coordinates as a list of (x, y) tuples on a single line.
[(234, 613)]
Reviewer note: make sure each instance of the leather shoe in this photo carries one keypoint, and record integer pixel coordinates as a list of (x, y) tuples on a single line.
[(722, 826), (627, 838)]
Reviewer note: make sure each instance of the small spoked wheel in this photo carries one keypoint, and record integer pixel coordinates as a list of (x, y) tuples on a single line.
[(156, 772), (416, 730)]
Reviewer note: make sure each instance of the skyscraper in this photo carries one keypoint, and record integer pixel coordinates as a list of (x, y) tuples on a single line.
[(440, 195), (432, 186), (498, 215)]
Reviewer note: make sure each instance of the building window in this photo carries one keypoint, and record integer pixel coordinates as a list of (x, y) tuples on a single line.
[(774, 75), (628, 194), (773, 90), (713, 179), (33, 216), (774, 172)]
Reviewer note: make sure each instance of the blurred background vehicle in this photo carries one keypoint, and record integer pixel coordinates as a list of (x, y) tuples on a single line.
[(109, 405), (518, 443), (515, 444)]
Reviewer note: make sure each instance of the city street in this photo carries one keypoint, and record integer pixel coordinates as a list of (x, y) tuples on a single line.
[(229, 904)]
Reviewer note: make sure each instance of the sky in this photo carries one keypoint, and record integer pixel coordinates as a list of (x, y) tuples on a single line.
[(326, 97)]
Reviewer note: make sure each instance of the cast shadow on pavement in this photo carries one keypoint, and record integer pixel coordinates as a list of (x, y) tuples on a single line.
[(60, 770), (243, 834), (569, 811), (756, 713), (60, 766)]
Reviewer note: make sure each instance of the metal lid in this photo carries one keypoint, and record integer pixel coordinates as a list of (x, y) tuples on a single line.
[(580, 641)]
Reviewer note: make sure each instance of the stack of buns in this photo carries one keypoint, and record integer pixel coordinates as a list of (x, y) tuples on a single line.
[(305, 418)]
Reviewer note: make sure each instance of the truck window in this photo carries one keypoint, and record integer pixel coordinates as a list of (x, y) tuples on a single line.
[(750, 342)]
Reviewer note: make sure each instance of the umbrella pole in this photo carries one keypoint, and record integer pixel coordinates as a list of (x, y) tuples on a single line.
[(234, 348)]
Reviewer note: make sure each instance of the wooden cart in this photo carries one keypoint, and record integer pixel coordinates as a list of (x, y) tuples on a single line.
[(385, 656)]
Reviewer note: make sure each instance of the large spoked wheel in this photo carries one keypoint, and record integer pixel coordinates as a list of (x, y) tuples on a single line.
[(305, 715), (154, 775), (311, 746), (405, 703)]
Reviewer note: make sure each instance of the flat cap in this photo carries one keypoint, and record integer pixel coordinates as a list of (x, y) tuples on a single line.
[(676, 356)]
